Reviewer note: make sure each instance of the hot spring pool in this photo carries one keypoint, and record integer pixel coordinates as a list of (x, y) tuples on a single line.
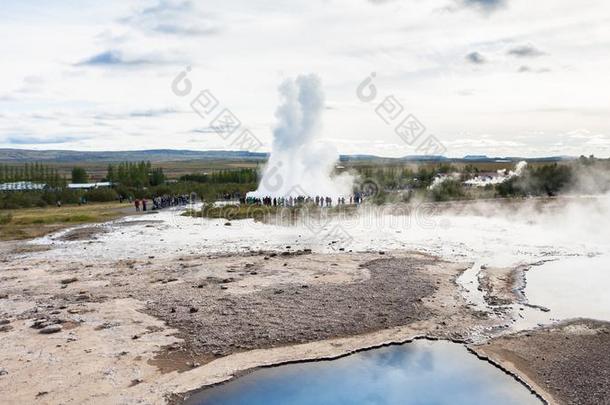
[(422, 372)]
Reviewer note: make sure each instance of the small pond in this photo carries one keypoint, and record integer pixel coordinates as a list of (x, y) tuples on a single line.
[(422, 372)]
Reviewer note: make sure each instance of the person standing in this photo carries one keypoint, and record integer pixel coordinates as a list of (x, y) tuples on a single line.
[(144, 204), (137, 204)]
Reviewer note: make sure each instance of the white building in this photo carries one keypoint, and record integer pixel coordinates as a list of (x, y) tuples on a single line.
[(89, 186), (22, 186)]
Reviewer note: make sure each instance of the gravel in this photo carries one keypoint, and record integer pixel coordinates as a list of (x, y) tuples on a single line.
[(226, 323)]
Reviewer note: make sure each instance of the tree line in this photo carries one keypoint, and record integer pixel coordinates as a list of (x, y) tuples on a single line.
[(241, 176), (33, 172), (135, 174)]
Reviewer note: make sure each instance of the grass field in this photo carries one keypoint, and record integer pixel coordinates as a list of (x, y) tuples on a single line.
[(35, 222), (260, 212), (173, 170)]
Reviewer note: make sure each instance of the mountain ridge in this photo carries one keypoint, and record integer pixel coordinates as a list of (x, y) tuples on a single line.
[(10, 155)]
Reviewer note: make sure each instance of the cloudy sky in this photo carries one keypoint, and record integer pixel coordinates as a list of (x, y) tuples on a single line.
[(495, 77)]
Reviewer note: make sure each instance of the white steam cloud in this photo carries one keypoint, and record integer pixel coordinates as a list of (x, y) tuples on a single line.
[(300, 164), (501, 176), (440, 179)]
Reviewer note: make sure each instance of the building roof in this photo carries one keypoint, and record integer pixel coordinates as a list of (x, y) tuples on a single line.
[(22, 186), (89, 185)]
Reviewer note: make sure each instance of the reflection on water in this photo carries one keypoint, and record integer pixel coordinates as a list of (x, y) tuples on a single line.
[(422, 372)]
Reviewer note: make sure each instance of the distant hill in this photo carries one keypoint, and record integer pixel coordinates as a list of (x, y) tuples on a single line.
[(174, 155), (425, 158), (154, 155), (475, 157)]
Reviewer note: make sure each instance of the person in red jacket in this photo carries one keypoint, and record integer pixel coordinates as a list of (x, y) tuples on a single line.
[(137, 203)]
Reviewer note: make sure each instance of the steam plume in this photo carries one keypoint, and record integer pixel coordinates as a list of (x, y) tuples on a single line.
[(300, 164), (502, 176)]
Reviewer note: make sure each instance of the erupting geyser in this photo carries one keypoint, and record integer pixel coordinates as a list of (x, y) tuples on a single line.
[(300, 164)]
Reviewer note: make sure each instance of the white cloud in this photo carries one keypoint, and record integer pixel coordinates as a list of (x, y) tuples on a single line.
[(89, 67)]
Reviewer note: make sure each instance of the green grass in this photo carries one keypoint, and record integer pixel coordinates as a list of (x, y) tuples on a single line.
[(259, 213), (232, 212), (6, 218), (35, 222)]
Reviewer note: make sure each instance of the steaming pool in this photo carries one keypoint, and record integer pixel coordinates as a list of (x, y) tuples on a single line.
[(422, 372), (564, 251), (553, 285), (566, 246)]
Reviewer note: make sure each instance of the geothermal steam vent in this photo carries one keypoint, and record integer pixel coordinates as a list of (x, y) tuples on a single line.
[(300, 163)]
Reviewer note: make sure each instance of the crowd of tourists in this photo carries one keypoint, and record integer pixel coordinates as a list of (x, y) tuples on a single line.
[(319, 201), (166, 201), (163, 201)]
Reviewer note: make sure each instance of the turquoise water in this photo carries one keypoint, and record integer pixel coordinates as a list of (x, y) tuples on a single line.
[(422, 372)]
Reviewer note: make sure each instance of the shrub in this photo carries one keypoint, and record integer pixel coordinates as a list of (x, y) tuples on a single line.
[(448, 190), (6, 218), (102, 195), (546, 180)]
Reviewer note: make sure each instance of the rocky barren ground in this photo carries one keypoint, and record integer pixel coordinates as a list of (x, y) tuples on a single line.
[(569, 360), (149, 330), (387, 293)]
